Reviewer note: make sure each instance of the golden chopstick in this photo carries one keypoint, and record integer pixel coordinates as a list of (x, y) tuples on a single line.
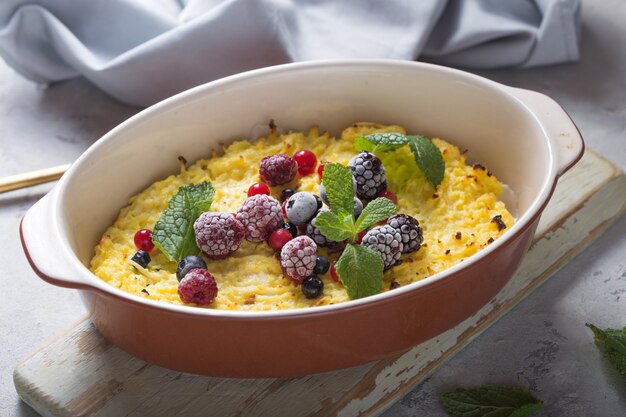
[(28, 179)]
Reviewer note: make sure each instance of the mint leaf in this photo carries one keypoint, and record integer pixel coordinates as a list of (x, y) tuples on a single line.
[(337, 181), (334, 227), (380, 142), (491, 401), (428, 158), (173, 233), (377, 210), (360, 270), (614, 343)]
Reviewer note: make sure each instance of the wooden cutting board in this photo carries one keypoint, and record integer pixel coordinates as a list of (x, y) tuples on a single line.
[(79, 373)]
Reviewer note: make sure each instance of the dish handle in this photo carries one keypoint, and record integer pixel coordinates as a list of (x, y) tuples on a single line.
[(559, 126), (44, 248)]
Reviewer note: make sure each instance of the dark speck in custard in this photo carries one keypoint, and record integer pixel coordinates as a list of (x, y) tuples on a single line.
[(447, 251), (479, 166), (435, 195), (393, 285), (250, 300), (145, 291), (498, 220), (458, 236), (272, 125), (490, 240)]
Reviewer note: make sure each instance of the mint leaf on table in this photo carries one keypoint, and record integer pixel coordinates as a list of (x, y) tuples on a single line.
[(337, 181), (428, 158), (380, 142), (614, 343), (490, 401), (173, 233), (377, 210), (360, 270), (334, 227)]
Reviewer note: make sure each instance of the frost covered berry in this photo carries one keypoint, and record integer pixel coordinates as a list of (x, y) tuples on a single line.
[(301, 207), (385, 240), (369, 173), (260, 216), (317, 236), (298, 258), (278, 169), (409, 229), (187, 264), (218, 234), (198, 287)]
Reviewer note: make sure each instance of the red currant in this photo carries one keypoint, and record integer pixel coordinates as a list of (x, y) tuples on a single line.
[(333, 273), (391, 196), (320, 169), (258, 188), (306, 161), (143, 240), (360, 236), (284, 207), (278, 238)]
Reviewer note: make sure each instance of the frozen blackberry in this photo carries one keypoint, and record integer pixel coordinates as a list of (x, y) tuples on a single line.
[(369, 173), (409, 229), (218, 234), (260, 216), (187, 264), (278, 169), (385, 240), (298, 258), (317, 236), (301, 208), (198, 287)]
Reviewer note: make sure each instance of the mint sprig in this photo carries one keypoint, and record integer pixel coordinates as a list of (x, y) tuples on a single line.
[(173, 233), (491, 401), (614, 343), (360, 269), (426, 154)]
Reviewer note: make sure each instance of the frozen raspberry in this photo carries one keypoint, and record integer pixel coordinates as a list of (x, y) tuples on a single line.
[(278, 169), (409, 229), (298, 258), (385, 240), (218, 234), (369, 173), (260, 216), (198, 287), (317, 236)]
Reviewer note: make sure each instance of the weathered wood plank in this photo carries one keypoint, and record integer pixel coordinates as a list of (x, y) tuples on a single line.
[(80, 373)]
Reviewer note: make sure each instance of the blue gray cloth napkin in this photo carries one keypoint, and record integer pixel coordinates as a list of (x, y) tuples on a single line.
[(141, 51)]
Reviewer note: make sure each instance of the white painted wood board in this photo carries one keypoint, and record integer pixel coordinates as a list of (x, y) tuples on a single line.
[(79, 373)]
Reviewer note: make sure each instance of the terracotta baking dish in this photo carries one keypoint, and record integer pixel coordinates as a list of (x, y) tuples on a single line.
[(522, 136)]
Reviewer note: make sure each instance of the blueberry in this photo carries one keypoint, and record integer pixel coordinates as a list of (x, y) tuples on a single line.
[(292, 229), (322, 265), (142, 258), (358, 208), (286, 193), (312, 286), (187, 264), (320, 203), (301, 207)]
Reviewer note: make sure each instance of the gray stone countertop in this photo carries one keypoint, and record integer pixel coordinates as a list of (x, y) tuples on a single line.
[(541, 344)]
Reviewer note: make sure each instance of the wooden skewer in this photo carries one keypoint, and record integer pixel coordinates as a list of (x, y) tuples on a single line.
[(28, 179)]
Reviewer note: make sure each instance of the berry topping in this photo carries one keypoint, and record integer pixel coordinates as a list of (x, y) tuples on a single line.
[(391, 196), (292, 229), (286, 193), (198, 287), (306, 161), (141, 258), (312, 286), (258, 188), (409, 229), (218, 234), (369, 173), (322, 265), (301, 207), (317, 236), (187, 264), (260, 216), (320, 170), (358, 208), (360, 236), (278, 169), (385, 240), (143, 240), (333, 273), (297, 258), (279, 238)]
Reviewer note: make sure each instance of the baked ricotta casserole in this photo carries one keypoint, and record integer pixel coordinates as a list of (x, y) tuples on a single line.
[(303, 219)]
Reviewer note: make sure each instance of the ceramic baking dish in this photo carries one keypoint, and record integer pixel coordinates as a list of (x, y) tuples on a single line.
[(524, 137)]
